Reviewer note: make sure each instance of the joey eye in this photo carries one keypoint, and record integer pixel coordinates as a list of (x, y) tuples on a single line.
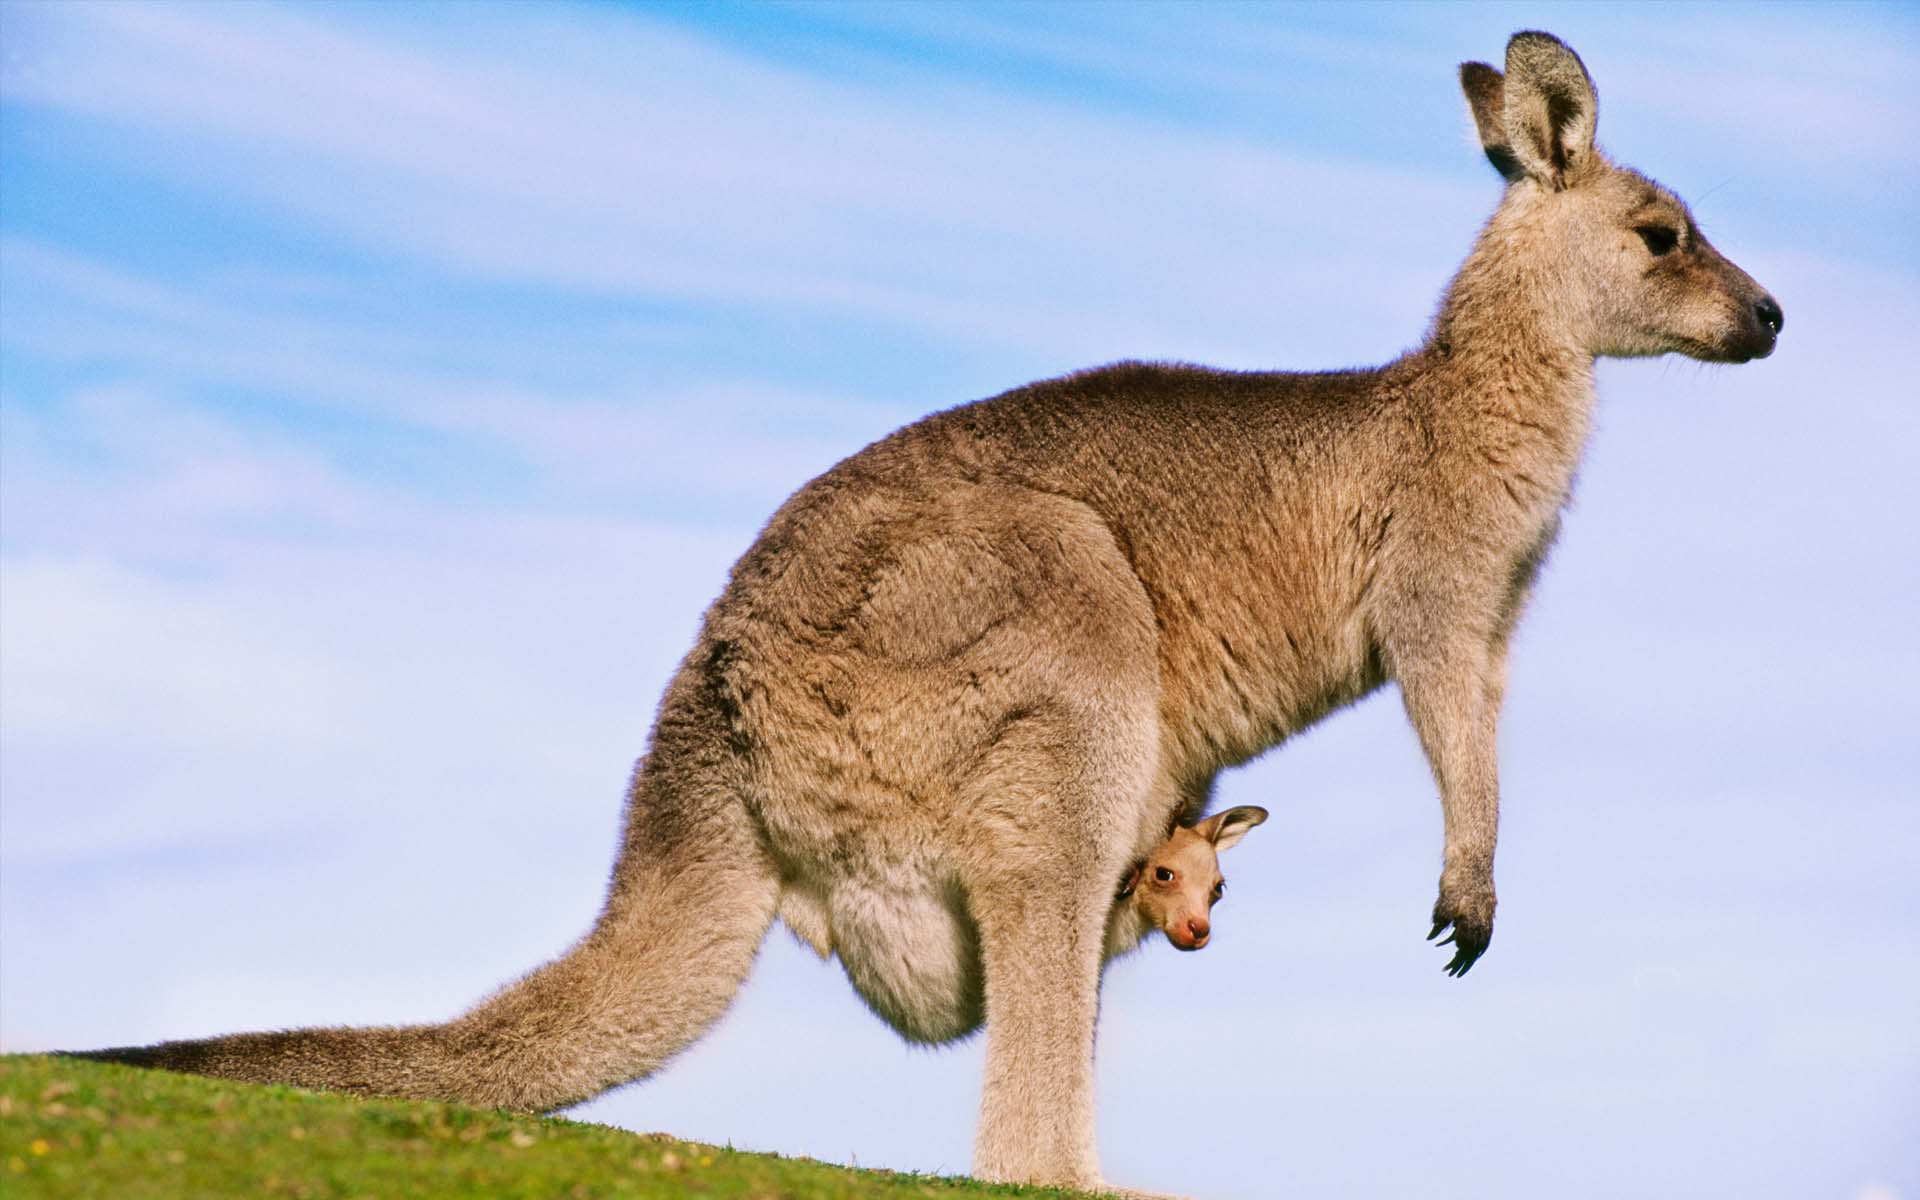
[(1163, 874), (1660, 239), (1219, 890)]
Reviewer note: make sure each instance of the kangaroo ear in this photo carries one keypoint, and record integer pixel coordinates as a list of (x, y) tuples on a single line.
[(1549, 109), (1486, 97), (1224, 829)]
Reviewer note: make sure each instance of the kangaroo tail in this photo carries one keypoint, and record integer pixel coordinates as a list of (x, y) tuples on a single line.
[(692, 897)]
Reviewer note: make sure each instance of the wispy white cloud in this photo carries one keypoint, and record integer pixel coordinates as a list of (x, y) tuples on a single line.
[(631, 435), (1827, 84), (1779, 86), (967, 212), (239, 619)]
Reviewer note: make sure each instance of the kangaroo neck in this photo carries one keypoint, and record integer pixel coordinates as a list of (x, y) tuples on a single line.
[(1501, 351)]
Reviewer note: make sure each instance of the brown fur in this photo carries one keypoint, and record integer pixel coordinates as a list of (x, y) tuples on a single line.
[(966, 677)]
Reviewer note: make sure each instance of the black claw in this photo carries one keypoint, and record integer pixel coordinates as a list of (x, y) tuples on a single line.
[(1467, 951), (1467, 937)]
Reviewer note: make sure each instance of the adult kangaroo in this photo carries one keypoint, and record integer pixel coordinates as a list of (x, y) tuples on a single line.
[(966, 678)]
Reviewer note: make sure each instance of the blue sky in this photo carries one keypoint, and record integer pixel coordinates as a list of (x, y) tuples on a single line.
[(384, 392)]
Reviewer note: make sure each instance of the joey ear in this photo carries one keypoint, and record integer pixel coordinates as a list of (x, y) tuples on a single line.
[(1486, 97), (1132, 881), (1226, 828), (1549, 109)]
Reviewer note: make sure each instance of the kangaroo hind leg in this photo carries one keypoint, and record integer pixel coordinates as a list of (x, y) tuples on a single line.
[(1051, 841)]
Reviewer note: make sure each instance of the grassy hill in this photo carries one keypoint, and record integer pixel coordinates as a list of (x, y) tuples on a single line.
[(96, 1130)]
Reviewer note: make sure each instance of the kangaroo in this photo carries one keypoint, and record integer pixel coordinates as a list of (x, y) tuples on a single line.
[(1174, 888), (968, 675)]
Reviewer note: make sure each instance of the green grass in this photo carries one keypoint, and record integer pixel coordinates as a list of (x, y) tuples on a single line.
[(71, 1128)]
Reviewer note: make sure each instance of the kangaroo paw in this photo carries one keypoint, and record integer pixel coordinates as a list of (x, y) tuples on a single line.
[(1467, 906)]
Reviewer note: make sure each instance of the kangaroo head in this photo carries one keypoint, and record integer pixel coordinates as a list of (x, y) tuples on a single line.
[(1175, 889), (1614, 259)]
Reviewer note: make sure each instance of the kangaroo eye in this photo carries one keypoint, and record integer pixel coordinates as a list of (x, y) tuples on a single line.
[(1219, 890), (1660, 239), (1163, 874)]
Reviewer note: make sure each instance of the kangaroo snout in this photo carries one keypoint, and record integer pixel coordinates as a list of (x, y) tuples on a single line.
[(1189, 934), (1756, 319)]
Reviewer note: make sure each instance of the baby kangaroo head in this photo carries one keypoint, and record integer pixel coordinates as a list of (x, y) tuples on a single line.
[(1177, 886), (1610, 254)]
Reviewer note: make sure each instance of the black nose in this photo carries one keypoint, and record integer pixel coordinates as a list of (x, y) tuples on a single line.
[(1768, 310)]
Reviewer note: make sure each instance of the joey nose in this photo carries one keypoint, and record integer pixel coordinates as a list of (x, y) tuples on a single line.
[(1199, 928), (1768, 310)]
